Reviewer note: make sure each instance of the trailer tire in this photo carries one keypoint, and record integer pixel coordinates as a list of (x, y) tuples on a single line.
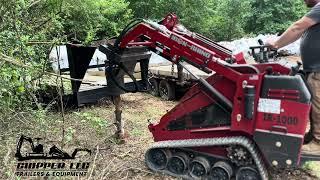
[(154, 87), (167, 90)]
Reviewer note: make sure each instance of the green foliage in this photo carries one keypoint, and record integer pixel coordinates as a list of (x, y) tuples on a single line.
[(89, 20), (228, 20), (272, 16), (53, 21), (69, 134), (135, 132), (193, 14), (19, 25), (312, 166), (225, 19), (96, 122)]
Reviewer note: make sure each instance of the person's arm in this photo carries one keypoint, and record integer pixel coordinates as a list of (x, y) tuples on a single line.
[(296, 30), (293, 33)]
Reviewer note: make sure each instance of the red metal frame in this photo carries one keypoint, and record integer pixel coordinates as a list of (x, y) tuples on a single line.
[(229, 80)]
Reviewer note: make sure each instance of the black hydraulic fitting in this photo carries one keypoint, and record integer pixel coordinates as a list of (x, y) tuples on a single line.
[(249, 95)]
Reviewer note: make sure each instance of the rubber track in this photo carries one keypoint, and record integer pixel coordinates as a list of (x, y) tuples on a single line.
[(227, 141)]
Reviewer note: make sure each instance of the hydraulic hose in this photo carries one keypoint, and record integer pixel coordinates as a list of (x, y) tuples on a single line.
[(112, 75), (127, 29)]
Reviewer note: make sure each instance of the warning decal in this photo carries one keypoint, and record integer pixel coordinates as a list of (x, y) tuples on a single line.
[(269, 106)]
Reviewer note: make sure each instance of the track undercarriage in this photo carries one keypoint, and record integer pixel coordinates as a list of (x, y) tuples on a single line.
[(183, 159)]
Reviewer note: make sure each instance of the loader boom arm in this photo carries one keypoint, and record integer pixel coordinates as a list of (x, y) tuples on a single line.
[(174, 42)]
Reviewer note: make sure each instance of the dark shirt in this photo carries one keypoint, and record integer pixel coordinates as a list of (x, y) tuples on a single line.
[(310, 43)]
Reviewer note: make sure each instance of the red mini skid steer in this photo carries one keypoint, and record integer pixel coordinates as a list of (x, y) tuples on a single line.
[(236, 124)]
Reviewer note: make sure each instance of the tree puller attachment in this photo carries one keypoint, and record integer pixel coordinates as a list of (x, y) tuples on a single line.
[(237, 124)]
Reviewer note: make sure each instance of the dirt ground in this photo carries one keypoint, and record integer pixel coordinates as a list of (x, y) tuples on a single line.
[(92, 127)]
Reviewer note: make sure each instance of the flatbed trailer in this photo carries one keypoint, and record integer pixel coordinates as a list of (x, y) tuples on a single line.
[(169, 81)]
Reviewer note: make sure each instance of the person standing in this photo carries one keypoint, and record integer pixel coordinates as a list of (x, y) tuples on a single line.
[(308, 29)]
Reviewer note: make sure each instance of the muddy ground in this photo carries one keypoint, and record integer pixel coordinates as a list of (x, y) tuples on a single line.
[(92, 127)]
